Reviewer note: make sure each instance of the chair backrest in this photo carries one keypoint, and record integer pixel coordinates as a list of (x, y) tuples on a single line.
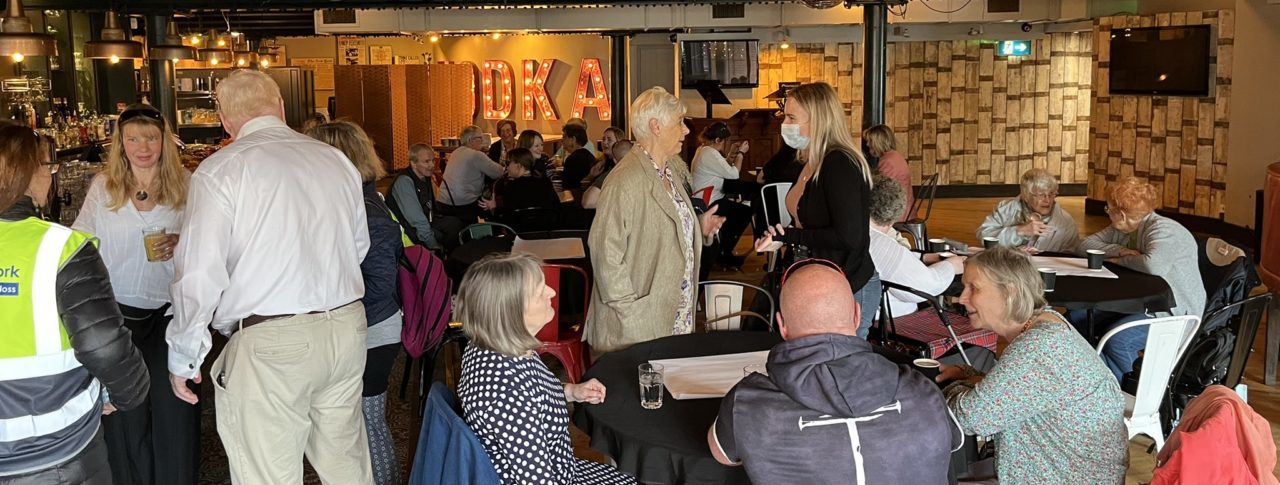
[(485, 229), (1247, 320), (425, 299), (554, 276), (774, 198), (532, 219), (1228, 275), (722, 305), (1167, 339), (924, 196), (887, 327), (704, 194), (448, 450)]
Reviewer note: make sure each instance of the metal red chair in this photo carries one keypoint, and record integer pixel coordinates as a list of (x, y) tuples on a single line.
[(562, 338)]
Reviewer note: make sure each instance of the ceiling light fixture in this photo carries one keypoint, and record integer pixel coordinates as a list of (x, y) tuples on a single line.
[(172, 47), (17, 39), (113, 44)]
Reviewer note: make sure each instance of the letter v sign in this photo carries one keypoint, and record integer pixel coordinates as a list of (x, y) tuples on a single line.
[(535, 89)]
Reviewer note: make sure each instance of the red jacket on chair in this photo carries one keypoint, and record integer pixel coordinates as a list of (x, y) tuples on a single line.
[(1220, 440)]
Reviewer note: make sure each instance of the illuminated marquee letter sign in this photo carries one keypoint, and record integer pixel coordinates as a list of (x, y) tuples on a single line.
[(590, 72), (498, 90), (535, 89)]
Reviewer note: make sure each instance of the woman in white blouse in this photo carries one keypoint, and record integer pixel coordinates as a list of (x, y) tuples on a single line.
[(143, 189), (928, 273), (716, 162)]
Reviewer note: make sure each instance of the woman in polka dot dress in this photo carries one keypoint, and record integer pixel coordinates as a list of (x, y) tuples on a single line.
[(513, 403)]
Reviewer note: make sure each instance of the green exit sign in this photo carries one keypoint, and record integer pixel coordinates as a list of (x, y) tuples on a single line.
[(1013, 48)]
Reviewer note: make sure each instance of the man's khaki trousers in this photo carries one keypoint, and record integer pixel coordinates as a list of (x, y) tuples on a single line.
[(291, 386)]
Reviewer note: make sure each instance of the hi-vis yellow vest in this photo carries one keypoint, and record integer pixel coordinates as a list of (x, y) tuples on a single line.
[(35, 349)]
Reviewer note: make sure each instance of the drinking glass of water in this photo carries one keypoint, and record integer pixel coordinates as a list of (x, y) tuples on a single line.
[(651, 385)]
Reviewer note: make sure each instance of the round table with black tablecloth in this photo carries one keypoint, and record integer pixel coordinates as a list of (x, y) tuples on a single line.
[(1133, 292), (669, 444)]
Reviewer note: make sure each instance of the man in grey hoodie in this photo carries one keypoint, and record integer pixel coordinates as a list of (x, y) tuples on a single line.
[(831, 410)]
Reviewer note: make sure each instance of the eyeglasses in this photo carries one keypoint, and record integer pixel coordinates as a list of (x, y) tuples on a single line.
[(52, 167), (150, 113), (1047, 195)]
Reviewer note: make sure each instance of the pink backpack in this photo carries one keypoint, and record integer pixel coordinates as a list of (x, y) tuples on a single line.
[(425, 299)]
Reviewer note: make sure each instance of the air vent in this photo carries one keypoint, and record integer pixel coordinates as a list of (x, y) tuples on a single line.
[(1004, 6), (339, 16), (728, 11)]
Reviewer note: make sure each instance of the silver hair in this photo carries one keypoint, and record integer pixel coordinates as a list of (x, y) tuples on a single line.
[(888, 200), (653, 104), (1011, 272), (468, 133), (1037, 180)]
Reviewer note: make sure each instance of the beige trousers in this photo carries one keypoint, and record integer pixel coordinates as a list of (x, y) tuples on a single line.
[(289, 387)]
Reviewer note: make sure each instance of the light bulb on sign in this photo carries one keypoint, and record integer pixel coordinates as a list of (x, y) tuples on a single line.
[(18, 57), (115, 59), (496, 35), (222, 43), (213, 61), (240, 62), (264, 63)]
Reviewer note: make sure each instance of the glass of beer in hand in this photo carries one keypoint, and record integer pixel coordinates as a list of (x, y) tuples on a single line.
[(152, 236)]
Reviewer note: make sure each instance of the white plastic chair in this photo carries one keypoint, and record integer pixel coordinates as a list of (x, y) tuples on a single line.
[(774, 199), (722, 305), (1167, 339)]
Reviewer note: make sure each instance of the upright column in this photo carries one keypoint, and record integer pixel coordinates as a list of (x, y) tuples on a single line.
[(619, 99), (875, 20), (164, 95)]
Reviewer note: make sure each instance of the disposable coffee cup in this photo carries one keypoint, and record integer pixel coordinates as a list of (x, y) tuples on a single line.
[(926, 363), (929, 367), (1050, 276), (1095, 258), (990, 242), (937, 245)]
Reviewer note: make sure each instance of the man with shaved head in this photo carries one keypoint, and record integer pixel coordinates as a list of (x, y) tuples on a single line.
[(831, 410)]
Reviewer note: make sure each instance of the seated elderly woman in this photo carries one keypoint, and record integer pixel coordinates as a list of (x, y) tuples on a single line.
[(1056, 413), (1034, 220), (1140, 239), (894, 261), (513, 403)]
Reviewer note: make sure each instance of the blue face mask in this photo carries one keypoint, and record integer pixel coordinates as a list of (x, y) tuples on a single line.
[(792, 137)]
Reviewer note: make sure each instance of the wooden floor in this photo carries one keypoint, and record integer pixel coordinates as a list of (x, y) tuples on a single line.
[(959, 218)]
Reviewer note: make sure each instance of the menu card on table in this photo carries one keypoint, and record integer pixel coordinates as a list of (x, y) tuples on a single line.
[(1068, 266), (709, 376)]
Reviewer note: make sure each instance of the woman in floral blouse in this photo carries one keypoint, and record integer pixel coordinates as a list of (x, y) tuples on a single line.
[(1054, 408)]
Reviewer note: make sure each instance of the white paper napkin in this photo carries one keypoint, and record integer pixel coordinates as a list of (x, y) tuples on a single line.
[(1071, 267), (709, 376)]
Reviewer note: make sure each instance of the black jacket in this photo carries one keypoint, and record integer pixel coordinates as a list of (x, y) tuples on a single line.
[(380, 267), (92, 319)]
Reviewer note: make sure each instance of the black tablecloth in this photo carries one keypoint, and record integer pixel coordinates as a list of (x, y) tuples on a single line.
[(666, 445), (1133, 292)]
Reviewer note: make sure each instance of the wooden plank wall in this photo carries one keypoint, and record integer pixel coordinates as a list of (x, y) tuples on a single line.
[(961, 111), (1177, 143)]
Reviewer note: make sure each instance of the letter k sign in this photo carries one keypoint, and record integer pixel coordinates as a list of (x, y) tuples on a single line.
[(10, 272)]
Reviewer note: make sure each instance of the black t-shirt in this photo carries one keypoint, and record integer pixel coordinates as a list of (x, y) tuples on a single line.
[(576, 167)]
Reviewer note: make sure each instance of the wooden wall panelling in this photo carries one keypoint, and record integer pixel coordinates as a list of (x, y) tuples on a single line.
[(960, 111), (418, 107), (1176, 143)]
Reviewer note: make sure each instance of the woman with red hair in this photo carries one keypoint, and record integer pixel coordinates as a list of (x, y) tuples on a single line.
[(1140, 239)]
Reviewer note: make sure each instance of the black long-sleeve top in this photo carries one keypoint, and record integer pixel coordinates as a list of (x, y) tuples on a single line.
[(835, 211)]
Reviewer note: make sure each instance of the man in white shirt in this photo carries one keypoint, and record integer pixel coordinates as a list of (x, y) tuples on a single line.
[(270, 253), (465, 177)]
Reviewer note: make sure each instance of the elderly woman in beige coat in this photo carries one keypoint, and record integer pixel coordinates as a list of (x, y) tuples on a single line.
[(646, 238)]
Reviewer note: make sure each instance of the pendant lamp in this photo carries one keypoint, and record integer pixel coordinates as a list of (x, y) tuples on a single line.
[(113, 44), (217, 53), (172, 47), (17, 38)]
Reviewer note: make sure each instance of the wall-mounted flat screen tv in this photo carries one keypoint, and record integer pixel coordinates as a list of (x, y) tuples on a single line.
[(735, 63), (1165, 61)]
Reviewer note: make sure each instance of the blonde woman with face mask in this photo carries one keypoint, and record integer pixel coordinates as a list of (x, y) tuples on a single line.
[(831, 201)]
